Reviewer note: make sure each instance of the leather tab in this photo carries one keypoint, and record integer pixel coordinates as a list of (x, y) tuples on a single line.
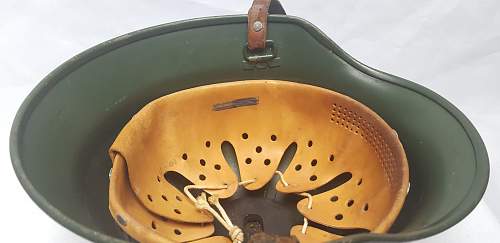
[(257, 24)]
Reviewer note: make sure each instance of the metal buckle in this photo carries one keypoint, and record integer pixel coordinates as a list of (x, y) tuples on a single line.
[(262, 58)]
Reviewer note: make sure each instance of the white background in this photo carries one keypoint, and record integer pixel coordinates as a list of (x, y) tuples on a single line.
[(451, 47)]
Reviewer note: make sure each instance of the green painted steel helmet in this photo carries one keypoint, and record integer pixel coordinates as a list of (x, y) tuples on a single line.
[(284, 114)]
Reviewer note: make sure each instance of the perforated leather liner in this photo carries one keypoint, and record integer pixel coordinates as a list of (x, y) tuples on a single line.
[(183, 132)]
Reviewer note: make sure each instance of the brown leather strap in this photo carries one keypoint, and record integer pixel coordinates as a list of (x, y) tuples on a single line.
[(257, 24)]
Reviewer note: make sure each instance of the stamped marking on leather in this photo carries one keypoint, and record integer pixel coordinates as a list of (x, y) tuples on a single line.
[(236, 103)]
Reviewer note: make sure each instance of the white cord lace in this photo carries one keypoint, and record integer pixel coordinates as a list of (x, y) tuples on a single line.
[(236, 234), (202, 202), (305, 194)]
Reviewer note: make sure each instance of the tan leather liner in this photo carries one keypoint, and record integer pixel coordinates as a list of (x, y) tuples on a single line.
[(335, 134), (141, 224), (312, 235), (214, 239)]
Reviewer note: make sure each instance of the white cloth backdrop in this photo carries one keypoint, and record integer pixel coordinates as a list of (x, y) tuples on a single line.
[(449, 46)]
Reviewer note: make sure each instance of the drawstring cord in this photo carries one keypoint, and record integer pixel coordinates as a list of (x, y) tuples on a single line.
[(201, 202), (305, 194), (236, 234)]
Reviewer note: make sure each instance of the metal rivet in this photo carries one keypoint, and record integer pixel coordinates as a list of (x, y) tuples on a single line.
[(257, 26), (121, 220)]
